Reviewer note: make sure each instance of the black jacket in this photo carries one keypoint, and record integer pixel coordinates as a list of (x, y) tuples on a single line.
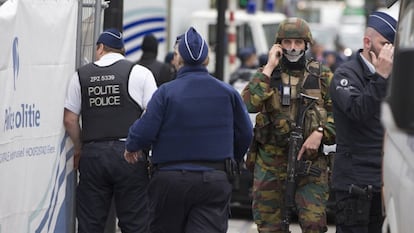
[(161, 71), (356, 95)]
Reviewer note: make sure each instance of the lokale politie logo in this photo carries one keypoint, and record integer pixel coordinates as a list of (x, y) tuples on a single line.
[(22, 115)]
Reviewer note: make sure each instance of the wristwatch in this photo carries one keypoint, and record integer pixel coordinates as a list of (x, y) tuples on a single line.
[(320, 129)]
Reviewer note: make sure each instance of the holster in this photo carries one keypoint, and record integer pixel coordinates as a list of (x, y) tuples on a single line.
[(232, 168), (355, 210), (150, 167)]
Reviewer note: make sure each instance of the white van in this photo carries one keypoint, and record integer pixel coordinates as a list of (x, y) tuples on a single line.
[(398, 119)]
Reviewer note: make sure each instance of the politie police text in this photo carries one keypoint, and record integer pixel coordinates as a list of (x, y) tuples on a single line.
[(27, 116), (107, 95)]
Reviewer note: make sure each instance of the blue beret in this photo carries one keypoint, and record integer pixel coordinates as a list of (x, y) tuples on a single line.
[(383, 24), (263, 59), (111, 38), (192, 47), (245, 53), (168, 57)]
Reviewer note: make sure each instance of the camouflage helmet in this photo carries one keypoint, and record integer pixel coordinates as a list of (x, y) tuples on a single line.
[(294, 28)]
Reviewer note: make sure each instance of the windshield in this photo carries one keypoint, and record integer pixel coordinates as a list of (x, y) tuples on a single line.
[(407, 32), (270, 33)]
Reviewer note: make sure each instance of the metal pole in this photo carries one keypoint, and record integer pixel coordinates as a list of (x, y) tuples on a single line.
[(232, 49), (98, 26), (221, 32), (79, 36), (113, 15), (170, 36)]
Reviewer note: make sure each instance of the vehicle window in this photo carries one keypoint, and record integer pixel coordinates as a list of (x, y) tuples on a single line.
[(311, 15), (270, 33), (407, 32), (212, 34), (244, 37), (324, 35), (401, 96)]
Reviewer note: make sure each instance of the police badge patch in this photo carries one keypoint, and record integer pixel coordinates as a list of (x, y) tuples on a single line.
[(344, 82)]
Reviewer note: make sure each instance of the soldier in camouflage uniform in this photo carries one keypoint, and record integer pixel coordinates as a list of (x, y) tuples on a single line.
[(286, 75)]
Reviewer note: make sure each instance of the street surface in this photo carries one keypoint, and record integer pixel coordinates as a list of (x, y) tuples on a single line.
[(239, 225), (241, 222), (247, 226)]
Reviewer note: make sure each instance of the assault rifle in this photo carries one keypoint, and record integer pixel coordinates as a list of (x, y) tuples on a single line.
[(297, 167)]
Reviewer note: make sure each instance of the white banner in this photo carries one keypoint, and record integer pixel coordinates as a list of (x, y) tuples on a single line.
[(37, 59)]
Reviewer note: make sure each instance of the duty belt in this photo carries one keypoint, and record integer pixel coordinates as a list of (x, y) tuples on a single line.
[(217, 165), (105, 140)]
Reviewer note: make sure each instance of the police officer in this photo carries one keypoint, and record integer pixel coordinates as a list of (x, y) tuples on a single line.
[(249, 64), (274, 92), (196, 125), (109, 94), (357, 89)]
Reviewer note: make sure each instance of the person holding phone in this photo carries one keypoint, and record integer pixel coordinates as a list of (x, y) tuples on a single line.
[(275, 94), (357, 90)]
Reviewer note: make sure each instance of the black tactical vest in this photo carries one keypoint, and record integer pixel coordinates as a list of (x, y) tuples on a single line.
[(107, 108)]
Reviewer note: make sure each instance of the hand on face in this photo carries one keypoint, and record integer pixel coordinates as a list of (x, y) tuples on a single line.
[(383, 63), (275, 54)]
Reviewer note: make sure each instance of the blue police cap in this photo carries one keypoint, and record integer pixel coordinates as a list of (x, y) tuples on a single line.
[(383, 24), (111, 38), (192, 47)]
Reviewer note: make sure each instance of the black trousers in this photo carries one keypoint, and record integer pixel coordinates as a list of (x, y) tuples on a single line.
[(189, 202), (375, 218), (105, 174)]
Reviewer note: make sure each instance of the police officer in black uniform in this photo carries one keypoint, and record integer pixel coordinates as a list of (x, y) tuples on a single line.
[(109, 94), (357, 90)]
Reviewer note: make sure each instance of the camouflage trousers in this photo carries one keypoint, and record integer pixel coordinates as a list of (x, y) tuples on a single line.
[(268, 199)]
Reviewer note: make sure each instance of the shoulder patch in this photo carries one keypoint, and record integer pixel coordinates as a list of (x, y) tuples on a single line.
[(344, 82)]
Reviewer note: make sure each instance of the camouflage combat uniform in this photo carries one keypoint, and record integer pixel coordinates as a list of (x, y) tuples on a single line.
[(269, 148)]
